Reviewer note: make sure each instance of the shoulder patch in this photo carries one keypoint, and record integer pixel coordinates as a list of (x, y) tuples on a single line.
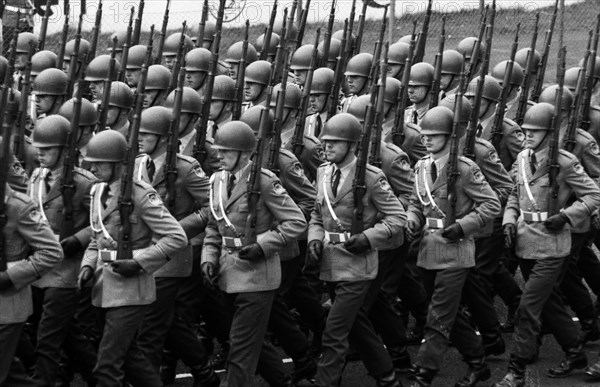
[(278, 188), (383, 183), (198, 171), (578, 168), (36, 216), (493, 156), (154, 199), (519, 135), (594, 148), (477, 175), (404, 165)]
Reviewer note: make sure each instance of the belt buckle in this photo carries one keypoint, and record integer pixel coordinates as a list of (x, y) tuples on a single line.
[(534, 216), (338, 237), (435, 223), (232, 243)]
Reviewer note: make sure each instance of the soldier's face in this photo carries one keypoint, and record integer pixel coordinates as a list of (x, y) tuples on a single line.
[(355, 83), (233, 69), (43, 103), (417, 94), (336, 150), (169, 61), (132, 77), (194, 79), (228, 159), (103, 171), (395, 70), (147, 142), (317, 103), (216, 107), (48, 157), (252, 91), (300, 77), (21, 60), (66, 67), (151, 98), (434, 143), (97, 89), (446, 81), (534, 138)]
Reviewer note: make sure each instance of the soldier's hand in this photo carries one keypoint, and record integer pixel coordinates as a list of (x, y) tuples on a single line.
[(5, 281), (410, 231), (453, 232), (315, 250), (86, 274), (357, 244), (556, 222), (596, 220), (71, 246), (210, 272), (126, 267), (510, 232), (251, 252)]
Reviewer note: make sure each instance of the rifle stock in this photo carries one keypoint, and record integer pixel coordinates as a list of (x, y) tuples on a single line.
[(375, 155), (63, 41), (163, 34), (135, 39), (173, 144), (264, 52), (437, 75), (328, 32), (95, 34), (422, 42), (126, 45), (103, 109), (527, 81), (452, 169), (553, 152), (302, 26), (476, 54), (333, 98), (539, 79), (178, 58), (398, 128), (571, 135), (44, 27), (19, 140), (241, 74), (201, 25)]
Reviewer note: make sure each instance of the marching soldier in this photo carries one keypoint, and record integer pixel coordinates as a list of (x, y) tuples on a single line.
[(272, 49), (123, 288), (96, 73), (542, 241), (24, 41), (445, 274), (157, 85), (256, 81), (466, 47), (349, 262), (233, 57), (397, 54), (171, 46), (221, 104), (197, 65), (357, 77), (300, 63), (419, 85), (317, 104), (516, 79), (335, 47), (120, 104), (84, 48), (133, 69), (249, 273), (88, 118), (49, 89), (522, 56), (452, 64), (41, 61)]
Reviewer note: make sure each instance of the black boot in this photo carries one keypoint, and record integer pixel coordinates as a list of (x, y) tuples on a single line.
[(219, 360), (589, 331), (204, 376), (509, 324), (168, 368), (478, 371), (304, 368), (593, 371), (388, 380), (493, 344), (423, 377), (575, 359), (516, 374), (400, 358)]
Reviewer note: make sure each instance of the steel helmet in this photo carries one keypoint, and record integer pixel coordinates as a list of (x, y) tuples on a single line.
[(210, 28), (571, 77), (452, 62), (291, 31), (392, 89), (405, 39), (171, 44), (235, 135), (335, 46), (491, 88), (302, 57), (466, 108), (51, 81), (538, 117), (98, 68), (548, 95), (156, 120), (596, 66), (223, 88), (121, 95), (517, 73), (51, 131), (339, 35), (398, 52), (421, 74), (87, 117), (437, 120), (159, 78), (43, 60), (467, 45), (522, 55), (108, 146), (136, 57), (275, 39), (84, 48), (24, 39), (293, 95), (121, 39), (191, 102), (359, 65), (198, 59), (252, 118), (358, 107), (258, 72), (322, 81), (342, 127), (234, 53)]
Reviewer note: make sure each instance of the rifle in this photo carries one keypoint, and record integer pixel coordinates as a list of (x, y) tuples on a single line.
[(135, 39), (328, 32), (422, 42), (282, 45), (287, 36), (63, 41), (199, 151), (302, 26), (589, 80), (95, 34), (125, 198), (372, 78), (474, 61), (19, 140), (173, 144), (497, 125), (103, 109), (333, 98), (539, 79), (201, 25), (437, 75), (375, 157), (163, 34), (298, 140), (126, 45), (44, 27), (469, 149), (398, 128), (361, 27), (179, 58), (527, 81), (346, 48), (553, 167), (74, 57), (452, 169), (239, 82), (575, 108), (269, 31)]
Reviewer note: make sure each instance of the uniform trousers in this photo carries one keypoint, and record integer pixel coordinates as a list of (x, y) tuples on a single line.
[(541, 300), (59, 330), (589, 265), (119, 354), (444, 319), (12, 371)]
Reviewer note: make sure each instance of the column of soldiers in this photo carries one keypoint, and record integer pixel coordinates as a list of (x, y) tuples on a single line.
[(306, 196)]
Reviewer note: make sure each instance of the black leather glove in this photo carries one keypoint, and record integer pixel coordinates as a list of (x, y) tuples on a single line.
[(556, 222), (126, 267), (71, 246), (410, 231), (251, 252), (510, 232), (5, 281), (315, 250), (210, 272), (358, 243), (453, 232), (86, 274)]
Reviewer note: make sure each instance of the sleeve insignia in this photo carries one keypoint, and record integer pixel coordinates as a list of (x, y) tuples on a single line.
[(199, 172), (594, 148), (478, 175), (37, 217), (278, 188), (18, 169), (154, 199), (520, 135), (384, 184), (578, 168), (404, 165), (493, 156), (298, 169)]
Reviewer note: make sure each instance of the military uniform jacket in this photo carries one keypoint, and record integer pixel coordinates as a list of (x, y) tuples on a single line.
[(149, 220), (534, 240), (211, 163), (52, 207), (475, 208), (412, 144), (513, 140), (279, 222), (311, 156), (17, 176), (30, 250), (383, 215), (395, 165), (314, 124)]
